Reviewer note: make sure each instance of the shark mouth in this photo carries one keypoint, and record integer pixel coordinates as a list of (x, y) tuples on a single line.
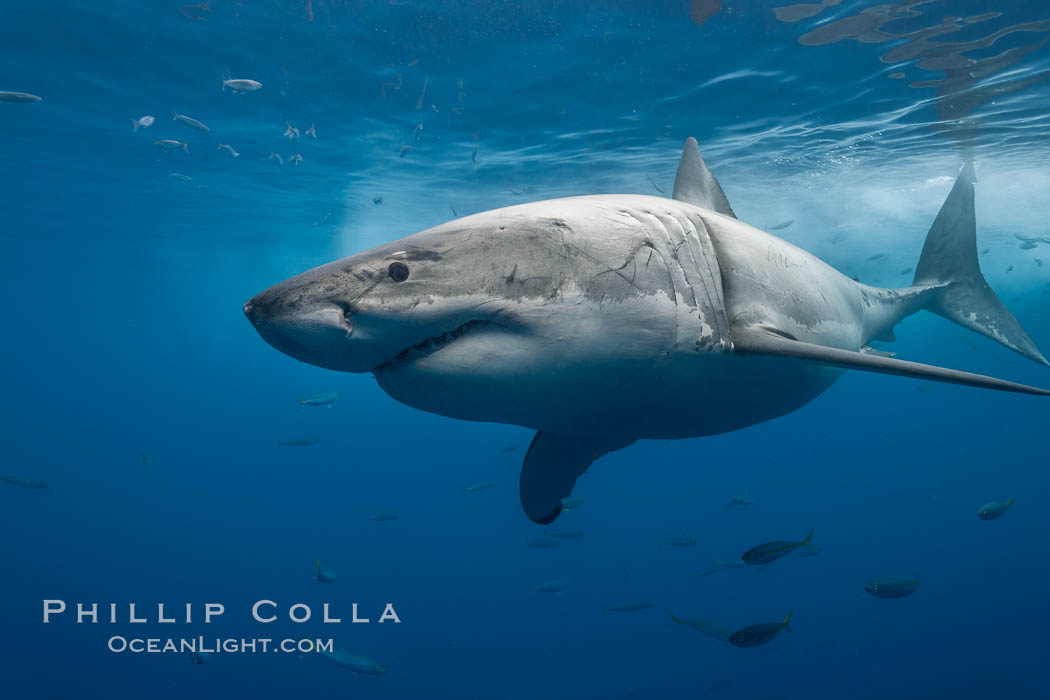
[(427, 347)]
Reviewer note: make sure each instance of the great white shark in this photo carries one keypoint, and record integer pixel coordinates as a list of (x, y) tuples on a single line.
[(605, 319)]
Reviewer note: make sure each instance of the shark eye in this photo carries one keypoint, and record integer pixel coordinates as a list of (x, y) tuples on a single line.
[(398, 271)]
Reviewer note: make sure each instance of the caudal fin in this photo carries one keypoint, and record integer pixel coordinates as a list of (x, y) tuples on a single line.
[(786, 621), (809, 537), (949, 260)]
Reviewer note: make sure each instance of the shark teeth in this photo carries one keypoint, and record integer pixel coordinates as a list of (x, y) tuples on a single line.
[(427, 346)]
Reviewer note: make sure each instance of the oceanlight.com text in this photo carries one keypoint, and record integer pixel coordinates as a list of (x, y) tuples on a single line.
[(215, 645)]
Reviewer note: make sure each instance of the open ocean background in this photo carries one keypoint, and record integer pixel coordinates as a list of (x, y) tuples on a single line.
[(124, 335)]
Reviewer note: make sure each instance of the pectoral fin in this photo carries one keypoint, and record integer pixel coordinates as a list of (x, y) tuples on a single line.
[(553, 464), (761, 341)]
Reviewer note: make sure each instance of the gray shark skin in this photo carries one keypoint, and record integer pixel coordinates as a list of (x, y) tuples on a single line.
[(601, 320)]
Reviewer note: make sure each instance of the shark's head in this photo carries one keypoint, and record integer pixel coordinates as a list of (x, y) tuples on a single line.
[(432, 304), (486, 316)]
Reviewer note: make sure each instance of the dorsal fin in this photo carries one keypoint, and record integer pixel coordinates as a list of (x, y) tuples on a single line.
[(695, 184)]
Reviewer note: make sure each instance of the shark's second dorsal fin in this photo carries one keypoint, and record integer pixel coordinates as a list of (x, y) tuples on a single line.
[(695, 184)]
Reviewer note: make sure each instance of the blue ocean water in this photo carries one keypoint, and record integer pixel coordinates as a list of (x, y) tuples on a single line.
[(138, 392)]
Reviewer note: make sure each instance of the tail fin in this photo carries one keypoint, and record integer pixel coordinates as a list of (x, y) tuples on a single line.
[(949, 258), (1009, 501), (786, 621), (134, 125), (186, 147), (805, 542), (675, 619)]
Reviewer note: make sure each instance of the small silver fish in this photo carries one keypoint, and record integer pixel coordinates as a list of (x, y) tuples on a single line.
[(476, 488), (555, 586), (144, 122), (385, 516), (22, 482), (757, 635), (323, 574), (711, 629), (171, 145), (354, 662), (229, 149), (190, 122), (993, 510), (291, 132), (18, 97), (180, 176), (297, 159), (322, 398), (312, 131), (892, 586), (771, 551), (277, 157), (743, 499), (781, 225), (571, 502), (710, 571), (241, 85), (810, 550), (187, 11)]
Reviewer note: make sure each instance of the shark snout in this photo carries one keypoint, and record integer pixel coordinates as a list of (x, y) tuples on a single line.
[(317, 332)]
